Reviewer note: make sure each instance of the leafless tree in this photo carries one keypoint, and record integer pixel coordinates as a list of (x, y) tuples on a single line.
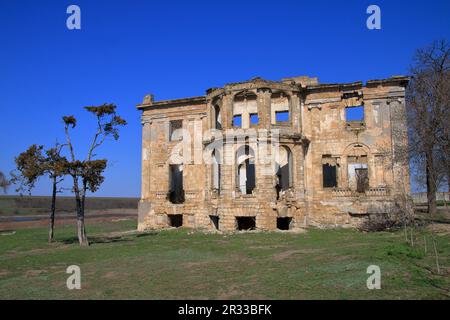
[(428, 100), (4, 182)]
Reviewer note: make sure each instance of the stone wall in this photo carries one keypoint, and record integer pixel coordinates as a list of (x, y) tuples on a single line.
[(317, 132)]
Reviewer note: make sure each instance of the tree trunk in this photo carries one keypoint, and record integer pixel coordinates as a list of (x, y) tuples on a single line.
[(82, 237), (448, 180), (431, 184), (81, 230), (52, 213)]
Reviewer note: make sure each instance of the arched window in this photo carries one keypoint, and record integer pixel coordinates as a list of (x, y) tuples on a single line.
[(216, 170), (284, 169), (217, 118), (245, 175)]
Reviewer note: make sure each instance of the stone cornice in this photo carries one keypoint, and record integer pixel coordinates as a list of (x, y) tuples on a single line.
[(173, 103), (256, 84)]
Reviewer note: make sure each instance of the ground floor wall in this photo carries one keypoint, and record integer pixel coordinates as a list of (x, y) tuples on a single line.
[(230, 216)]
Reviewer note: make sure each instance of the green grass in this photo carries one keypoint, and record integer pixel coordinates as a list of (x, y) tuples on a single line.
[(186, 264)]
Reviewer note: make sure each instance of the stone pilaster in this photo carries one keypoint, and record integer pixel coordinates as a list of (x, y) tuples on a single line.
[(146, 154), (264, 104), (299, 169), (399, 138), (227, 110)]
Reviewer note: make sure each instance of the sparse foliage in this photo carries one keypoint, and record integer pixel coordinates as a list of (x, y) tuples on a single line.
[(29, 168), (33, 164), (87, 174)]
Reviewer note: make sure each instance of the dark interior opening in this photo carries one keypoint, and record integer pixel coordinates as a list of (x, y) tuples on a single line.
[(284, 223), (215, 221), (283, 179), (175, 220), (251, 174), (329, 176), (246, 223), (176, 192), (362, 179)]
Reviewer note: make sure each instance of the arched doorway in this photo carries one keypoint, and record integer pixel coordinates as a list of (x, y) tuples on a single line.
[(284, 170), (246, 174)]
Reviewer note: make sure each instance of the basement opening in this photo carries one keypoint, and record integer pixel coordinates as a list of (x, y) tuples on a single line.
[(284, 223), (246, 223), (175, 220), (215, 221)]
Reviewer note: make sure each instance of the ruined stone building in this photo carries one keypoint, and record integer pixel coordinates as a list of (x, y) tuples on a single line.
[(272, 155)]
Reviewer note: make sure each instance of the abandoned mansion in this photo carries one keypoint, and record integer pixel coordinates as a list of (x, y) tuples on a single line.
[(270, 155)]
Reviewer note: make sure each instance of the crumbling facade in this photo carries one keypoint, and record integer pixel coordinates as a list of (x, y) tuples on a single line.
[(273, 155)]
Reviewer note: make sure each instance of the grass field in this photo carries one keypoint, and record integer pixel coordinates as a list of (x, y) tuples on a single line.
[(186, 264)]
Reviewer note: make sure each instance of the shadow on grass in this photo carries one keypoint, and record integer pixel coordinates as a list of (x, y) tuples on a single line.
[(108, 239), (97, 240), (146, 234)]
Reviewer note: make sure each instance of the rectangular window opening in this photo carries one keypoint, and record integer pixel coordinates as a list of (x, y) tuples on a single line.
[(329, 175), (354, 113), (254, 119), (175, 132), (237, 120), (281, 117)]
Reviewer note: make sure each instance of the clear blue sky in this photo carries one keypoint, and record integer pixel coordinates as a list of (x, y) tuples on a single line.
[(173, 49)]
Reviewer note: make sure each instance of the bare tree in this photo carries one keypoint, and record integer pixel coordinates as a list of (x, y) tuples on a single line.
[(87, 174), (4, 182), (428, 99)]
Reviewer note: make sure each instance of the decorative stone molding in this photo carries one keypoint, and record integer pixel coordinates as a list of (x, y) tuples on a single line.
[(314, 106)]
